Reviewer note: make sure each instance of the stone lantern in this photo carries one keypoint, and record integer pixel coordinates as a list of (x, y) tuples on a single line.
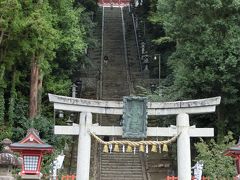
[(31, 149), (7, 161)]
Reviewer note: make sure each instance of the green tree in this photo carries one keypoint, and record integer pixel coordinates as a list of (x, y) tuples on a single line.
[(75, 26), (40, 44), (9, 28), (216, 165), (206, 61), (39, 40)]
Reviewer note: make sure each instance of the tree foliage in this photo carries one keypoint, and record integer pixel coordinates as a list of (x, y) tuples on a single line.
[(206, 60), (50, 36), (216, 165), (72, 45)]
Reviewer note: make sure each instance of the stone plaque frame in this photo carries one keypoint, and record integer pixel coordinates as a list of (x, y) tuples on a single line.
[(134, 117)]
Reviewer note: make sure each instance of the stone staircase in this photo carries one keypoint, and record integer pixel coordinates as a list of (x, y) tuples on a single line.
[(159, 166), (114, 71), (121, 166), (115, 85), (132, 52), (115, 166)]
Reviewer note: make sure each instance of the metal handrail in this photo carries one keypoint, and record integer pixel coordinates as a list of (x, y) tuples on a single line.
[(136, 39), (125, 54), (101, 67), (144, 167)]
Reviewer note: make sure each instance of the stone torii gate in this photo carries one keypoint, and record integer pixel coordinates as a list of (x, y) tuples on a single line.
[(181, 109)]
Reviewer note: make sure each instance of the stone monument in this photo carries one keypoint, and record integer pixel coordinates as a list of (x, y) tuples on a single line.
[(7, 161)]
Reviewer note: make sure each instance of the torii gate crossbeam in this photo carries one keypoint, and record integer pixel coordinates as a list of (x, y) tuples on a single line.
[(180, 108)]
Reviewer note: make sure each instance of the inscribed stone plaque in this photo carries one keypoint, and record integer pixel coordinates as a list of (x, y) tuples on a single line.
[(134, 117)]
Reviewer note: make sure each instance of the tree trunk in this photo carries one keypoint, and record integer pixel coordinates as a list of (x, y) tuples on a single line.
[(39, 100), (33, 104)]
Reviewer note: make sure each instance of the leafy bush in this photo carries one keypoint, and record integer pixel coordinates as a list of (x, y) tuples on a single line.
[(215, 163)]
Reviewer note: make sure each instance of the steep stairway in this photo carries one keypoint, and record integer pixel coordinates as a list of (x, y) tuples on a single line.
[(114, 71), (132, 48), (121, 166), (115, 83)]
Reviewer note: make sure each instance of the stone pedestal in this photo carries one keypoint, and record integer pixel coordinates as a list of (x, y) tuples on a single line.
[(32, 177), (7, 161), (7, 178), (6, 172)]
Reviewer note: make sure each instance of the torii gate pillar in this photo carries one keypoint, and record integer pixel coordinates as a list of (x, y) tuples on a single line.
[(183, 147), (84, 146)]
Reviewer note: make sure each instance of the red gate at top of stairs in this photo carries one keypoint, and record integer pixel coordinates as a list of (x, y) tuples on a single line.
[(113, 2)]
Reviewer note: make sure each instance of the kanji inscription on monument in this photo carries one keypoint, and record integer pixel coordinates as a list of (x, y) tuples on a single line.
[(134, 117)]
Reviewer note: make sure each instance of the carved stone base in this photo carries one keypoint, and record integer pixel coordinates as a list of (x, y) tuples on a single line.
[(7, 178), (31, 176)]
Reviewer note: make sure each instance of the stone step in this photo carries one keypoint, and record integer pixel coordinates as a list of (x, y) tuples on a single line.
[(111, 82), (124, 154), (126, 165), (116, 96), (116, 178), (121, 175), (126, 171), (130, 159), (133, 168), (126, 177), (133, 157), (120, 178), (122, 167), (106, 170)]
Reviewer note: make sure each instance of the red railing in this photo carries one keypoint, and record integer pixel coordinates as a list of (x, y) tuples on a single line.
[(176, 178), (114, 2), (69, 177)]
